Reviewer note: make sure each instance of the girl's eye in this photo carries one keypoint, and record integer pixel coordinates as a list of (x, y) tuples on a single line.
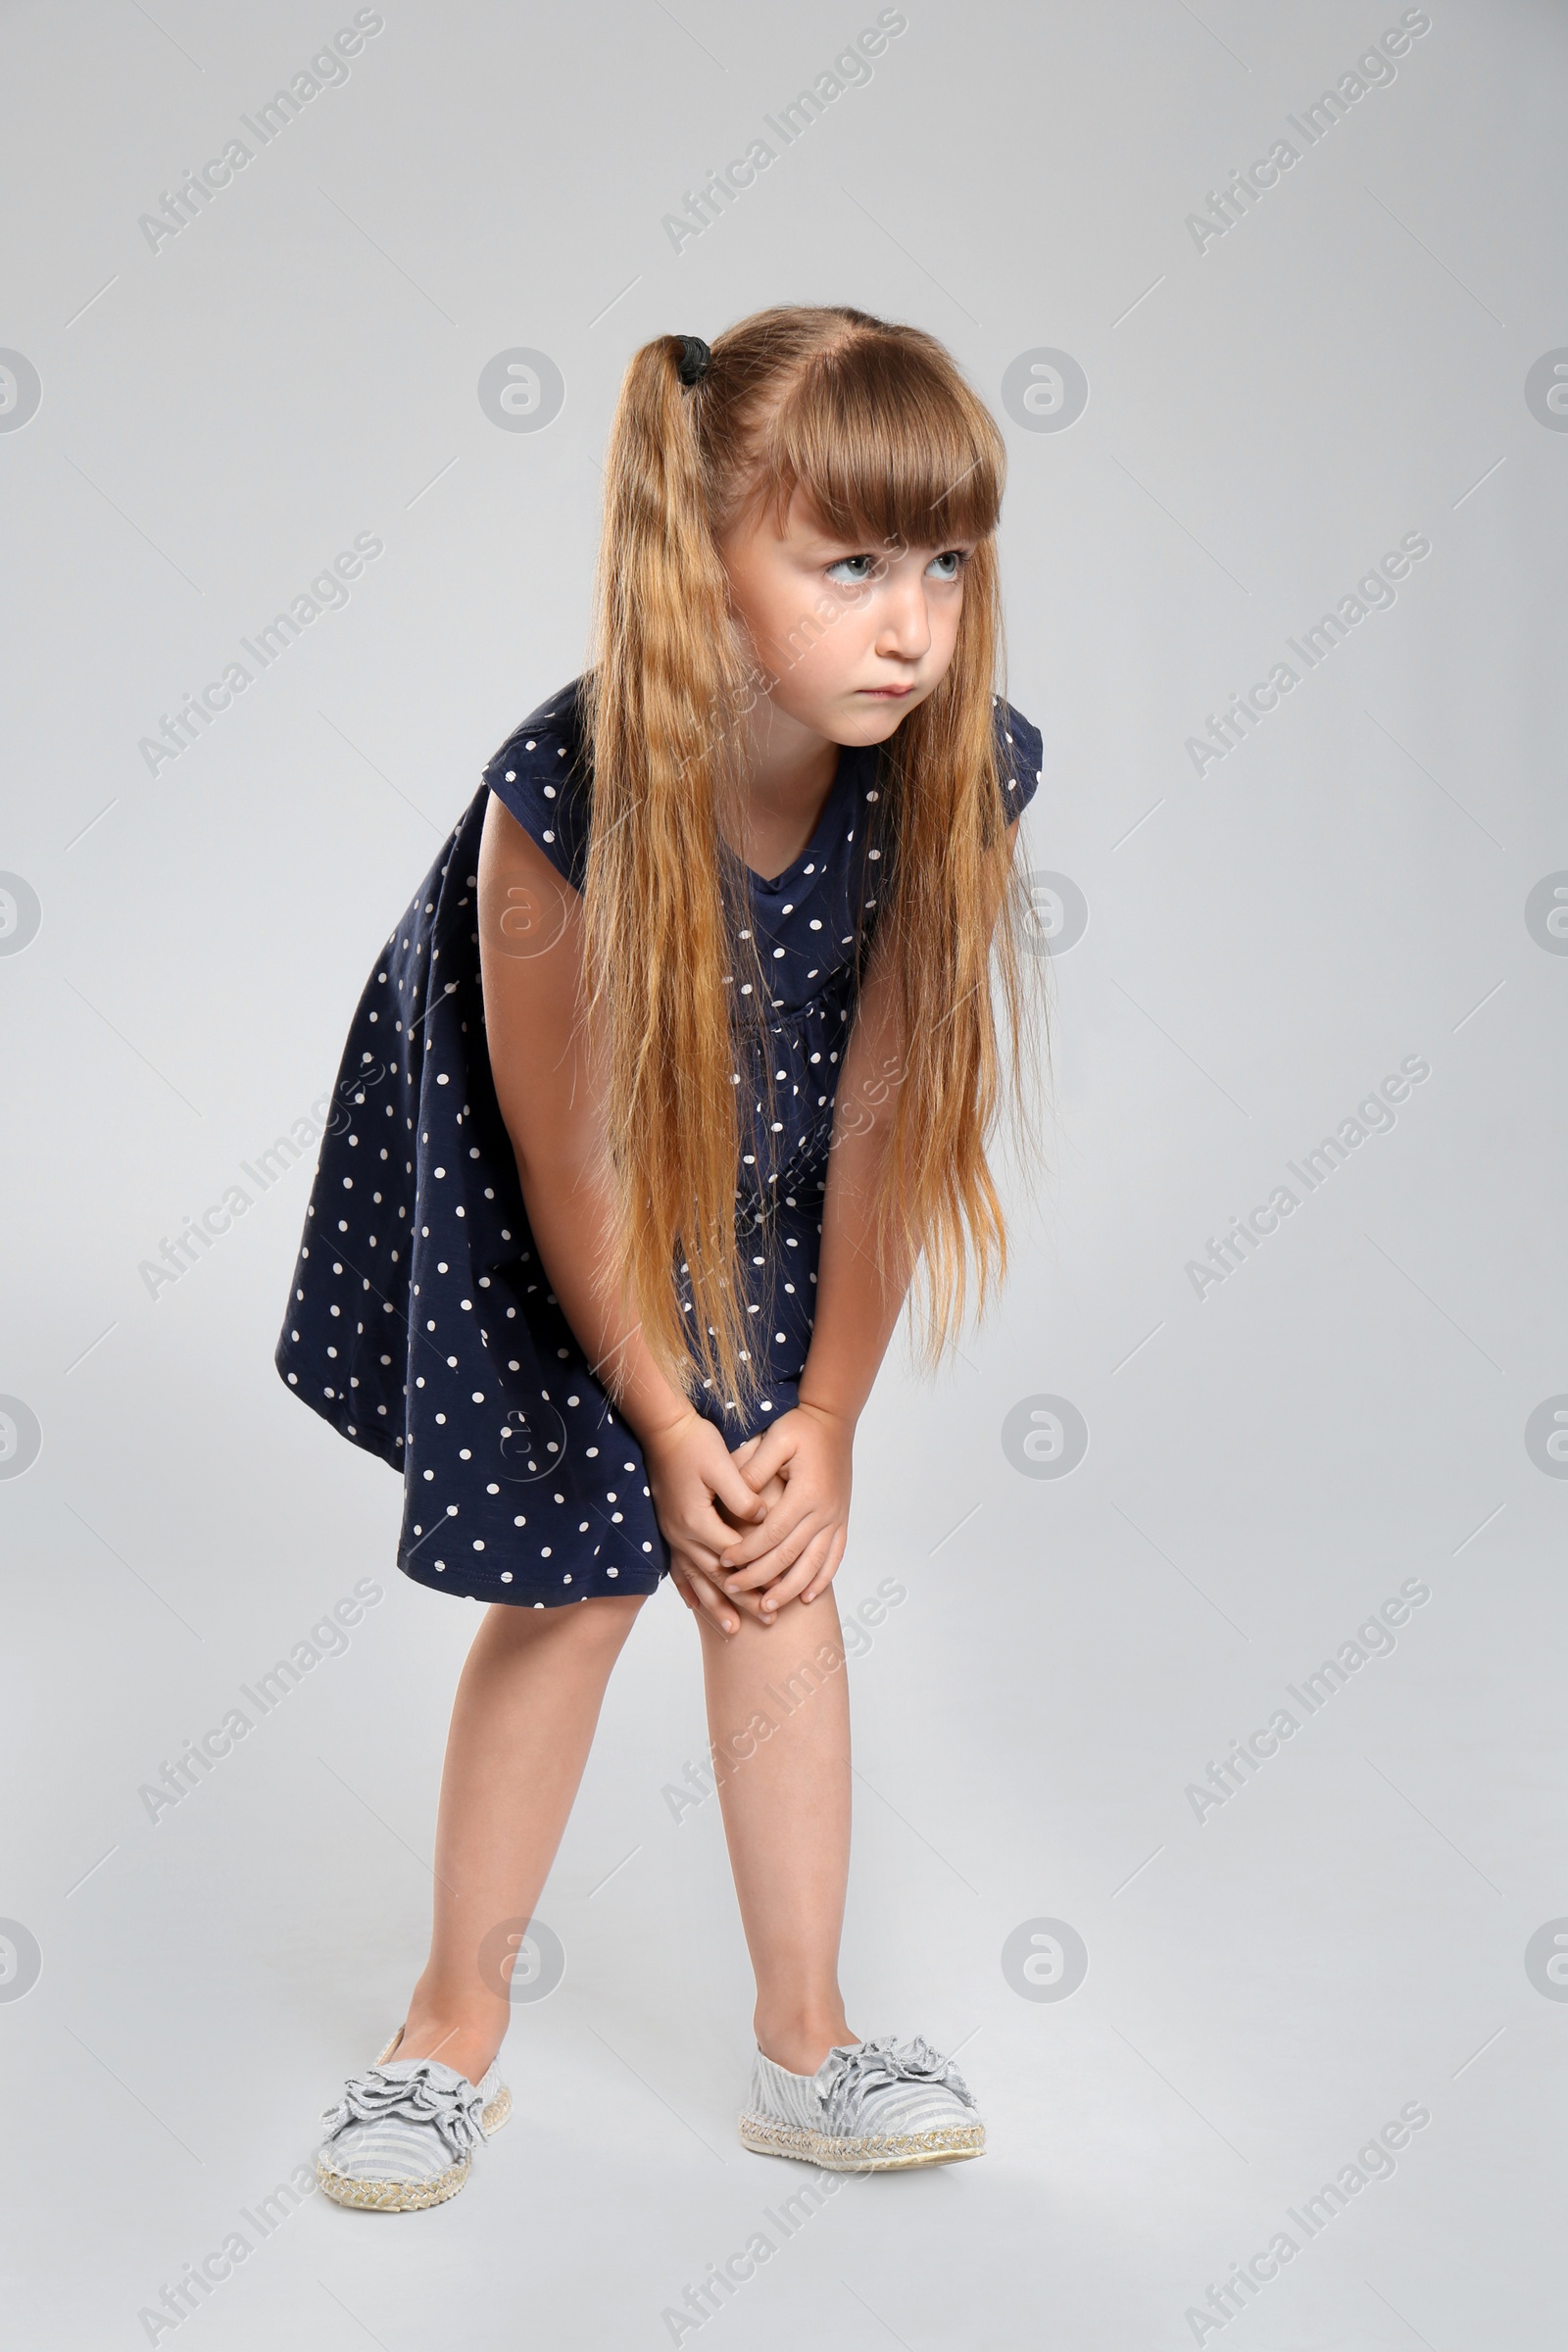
[(855, 571)]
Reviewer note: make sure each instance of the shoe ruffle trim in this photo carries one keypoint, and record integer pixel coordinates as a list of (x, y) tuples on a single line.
[(452, 2109), (877, 2065)]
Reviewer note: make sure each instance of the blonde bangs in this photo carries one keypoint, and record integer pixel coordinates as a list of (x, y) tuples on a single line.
[(886, 443)]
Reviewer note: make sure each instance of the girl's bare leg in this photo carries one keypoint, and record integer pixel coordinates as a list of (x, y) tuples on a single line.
[(522, 1722), (786, 1806)]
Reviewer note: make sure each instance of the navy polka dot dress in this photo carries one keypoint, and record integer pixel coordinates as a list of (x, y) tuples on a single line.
[(422, 1324)]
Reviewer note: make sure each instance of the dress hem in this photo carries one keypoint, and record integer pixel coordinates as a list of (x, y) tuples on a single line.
[(530, 1596)]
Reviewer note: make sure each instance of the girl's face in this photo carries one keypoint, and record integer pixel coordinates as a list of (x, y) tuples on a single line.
[(850, 636)]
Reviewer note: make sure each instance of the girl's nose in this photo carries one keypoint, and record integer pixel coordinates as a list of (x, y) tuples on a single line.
[(905, 625)]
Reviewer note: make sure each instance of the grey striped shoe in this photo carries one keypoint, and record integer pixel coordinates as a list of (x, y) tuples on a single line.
[(872, 2107), (403, 2134)]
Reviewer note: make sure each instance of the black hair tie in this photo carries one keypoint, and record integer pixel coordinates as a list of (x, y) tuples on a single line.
[(695, 359)]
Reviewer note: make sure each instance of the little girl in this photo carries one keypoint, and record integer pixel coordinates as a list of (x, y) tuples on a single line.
[(679, 1065)]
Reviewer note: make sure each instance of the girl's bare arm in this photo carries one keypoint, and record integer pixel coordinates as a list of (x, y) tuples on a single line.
[(857, 1303), (530, 959), (531, 964), (796, 1552)]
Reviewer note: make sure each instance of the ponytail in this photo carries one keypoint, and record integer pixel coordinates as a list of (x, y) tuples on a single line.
[(663, 708)]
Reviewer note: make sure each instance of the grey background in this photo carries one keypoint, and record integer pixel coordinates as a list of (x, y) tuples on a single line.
[(1265, 1465)]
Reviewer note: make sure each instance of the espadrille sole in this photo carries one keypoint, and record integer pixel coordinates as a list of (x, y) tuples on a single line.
[(879, 2152), (411, 2196)]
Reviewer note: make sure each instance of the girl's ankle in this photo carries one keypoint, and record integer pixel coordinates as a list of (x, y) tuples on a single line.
[(468, 2046), (800, 2047)]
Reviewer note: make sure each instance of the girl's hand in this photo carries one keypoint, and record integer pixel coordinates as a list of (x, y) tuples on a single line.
[(797, 1549), (692, 1477)]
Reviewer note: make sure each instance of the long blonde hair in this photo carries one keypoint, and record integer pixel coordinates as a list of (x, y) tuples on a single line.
[(877, 428)]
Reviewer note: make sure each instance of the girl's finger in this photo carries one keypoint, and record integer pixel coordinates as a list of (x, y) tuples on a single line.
[(824, 1575), (694, 1551), (703, 1528), (773, 1564), (679, 1582), (706, 1563), (715, 1603), (705, 1571), (769, 1499), (793, 1583), (706, 1576), (773, 1451), (753, 1542), (743, 1551), (734, 1488)]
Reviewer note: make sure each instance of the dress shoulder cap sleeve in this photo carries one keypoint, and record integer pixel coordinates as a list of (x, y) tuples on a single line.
[(1022, 750), (539, 775)]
